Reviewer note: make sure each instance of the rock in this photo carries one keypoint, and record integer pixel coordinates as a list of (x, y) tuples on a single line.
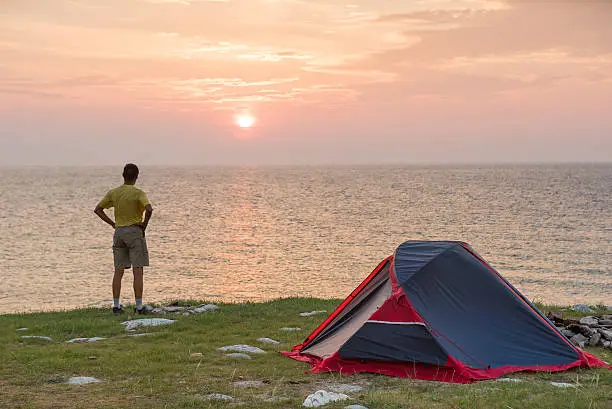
[(607, 334), (92, 357), (355, 407), (242, 348), (219, 396), (267, 341), (587, 331), (603, 317), (238, 356), (344, 388), (509, 380), (320, 398), (172, 310), (579, 340), (82, 380), (22, 329), (568, 333), (148, 308), (581, 308), (158, 311), (205, 308), (588, 321), (248, 384), (555, 316), (595, 338), (37, 337), (311, 313), (140, 335), (605, 322), (574, 328), (146, 322), (84, 340), (606, 344), (562, 385), (290, 329)]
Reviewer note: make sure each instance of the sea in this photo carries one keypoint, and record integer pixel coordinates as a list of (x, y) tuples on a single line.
[(237, 234)]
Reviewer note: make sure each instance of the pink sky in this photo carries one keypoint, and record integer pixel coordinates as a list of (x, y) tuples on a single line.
[(370, 81)]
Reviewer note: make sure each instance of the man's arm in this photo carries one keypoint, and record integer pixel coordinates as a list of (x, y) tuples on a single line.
[(148, 214), (100, 212)]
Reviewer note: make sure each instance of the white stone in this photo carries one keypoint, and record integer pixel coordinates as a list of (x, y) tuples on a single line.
[(173, 309), (248, 384), (355, 407), (606, 334), (579, 340), (590, 321), (242, 348), (238, 356), (205, 308), (146, 322), (219, 396), (77, 340), (267, 341), (562, 385), (94, 339), (290, 329), (82, 380), (140, 335), (509, 380), (344, 388), (311, 313), (37, 337), (320, 398), (581, 308), (22, 329)]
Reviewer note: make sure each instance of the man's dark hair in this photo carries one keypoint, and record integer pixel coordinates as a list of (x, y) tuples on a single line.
[(130, 172)]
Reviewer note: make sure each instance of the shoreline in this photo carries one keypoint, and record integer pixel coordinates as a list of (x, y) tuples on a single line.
[(595, 307)]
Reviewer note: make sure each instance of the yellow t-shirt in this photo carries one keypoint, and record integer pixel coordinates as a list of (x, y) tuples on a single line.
[(129, 203)]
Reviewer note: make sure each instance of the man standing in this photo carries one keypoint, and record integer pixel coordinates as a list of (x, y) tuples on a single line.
[(129, 243)]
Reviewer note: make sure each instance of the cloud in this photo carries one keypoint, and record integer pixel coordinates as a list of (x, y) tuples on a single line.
[(241, 49), (522, 27), (32, 93), (183, 2)]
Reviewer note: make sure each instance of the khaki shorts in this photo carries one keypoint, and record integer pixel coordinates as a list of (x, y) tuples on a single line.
[(130, 248)]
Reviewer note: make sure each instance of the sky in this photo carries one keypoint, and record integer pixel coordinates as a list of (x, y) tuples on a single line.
[(168, 82)]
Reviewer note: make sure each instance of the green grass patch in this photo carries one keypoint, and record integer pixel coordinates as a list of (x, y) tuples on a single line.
[(159, 371)]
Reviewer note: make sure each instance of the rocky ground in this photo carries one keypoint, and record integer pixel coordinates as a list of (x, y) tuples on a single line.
[(587, 331)]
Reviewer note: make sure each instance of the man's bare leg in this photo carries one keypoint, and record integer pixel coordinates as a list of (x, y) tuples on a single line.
[(117, 286), (138, 285)]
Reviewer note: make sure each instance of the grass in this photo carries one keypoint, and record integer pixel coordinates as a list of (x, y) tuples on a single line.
[(159, 371)]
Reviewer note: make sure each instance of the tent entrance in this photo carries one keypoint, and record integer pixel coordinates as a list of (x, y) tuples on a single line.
[(404, 342), (353, 317)]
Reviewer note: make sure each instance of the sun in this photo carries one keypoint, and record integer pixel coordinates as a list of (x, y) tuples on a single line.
[(245, 120)]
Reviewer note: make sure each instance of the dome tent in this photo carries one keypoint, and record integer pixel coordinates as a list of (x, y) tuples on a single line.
[(438, 311)]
